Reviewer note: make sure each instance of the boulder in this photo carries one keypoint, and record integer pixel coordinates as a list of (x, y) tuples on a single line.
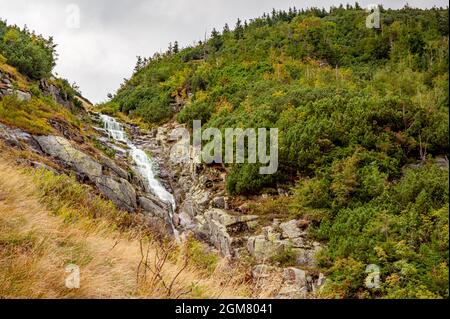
[(294, 276), (270, 233), (155, 208), (15, 137), (22, 96), (61, 149), (219, 202), (185, 220), (262, 249), (120, 192), (188, 207), (295, 284), (290, 229), (306, 256), (109, 163)]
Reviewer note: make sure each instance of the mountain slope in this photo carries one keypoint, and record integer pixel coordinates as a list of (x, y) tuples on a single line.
[(36, 246), (363, 121), (66, 198)]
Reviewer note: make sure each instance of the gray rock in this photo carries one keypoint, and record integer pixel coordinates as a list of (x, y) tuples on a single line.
[(219, 202), (306, 257), (215, 226), (270, 233), (120, 192), (15, 137), (60, 148), (294, 276), (291, 230), (188, 207), (262, 271), (186, 220), (262, 249), (151, 206), (295, 284), (22, 96), (114, 167)]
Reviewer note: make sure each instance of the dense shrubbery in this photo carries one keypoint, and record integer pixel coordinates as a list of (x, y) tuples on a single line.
[(31, 54), (403, 230), (354, 107), (324, 79)]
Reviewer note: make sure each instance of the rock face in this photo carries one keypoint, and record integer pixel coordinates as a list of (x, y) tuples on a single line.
[(151, 206), (280, 237), (18, 138), (217, 224), (119, 191), (56, 93), (61, 149), (110, 164)]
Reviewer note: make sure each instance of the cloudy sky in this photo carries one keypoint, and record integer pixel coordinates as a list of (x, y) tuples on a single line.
[(98, 41)]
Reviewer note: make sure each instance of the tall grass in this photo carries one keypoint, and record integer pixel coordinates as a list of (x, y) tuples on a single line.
[(49, 221)]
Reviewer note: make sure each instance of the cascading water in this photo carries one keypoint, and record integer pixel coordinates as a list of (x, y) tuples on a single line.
[(144, 164)]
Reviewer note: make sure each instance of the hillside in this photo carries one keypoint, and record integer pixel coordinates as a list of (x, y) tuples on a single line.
[(363, 135), (66, 199)]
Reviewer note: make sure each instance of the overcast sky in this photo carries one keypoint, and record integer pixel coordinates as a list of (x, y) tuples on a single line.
[(99, 49)]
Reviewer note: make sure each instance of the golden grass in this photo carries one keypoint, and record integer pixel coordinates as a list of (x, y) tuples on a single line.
[(36, 246), (12, 71)]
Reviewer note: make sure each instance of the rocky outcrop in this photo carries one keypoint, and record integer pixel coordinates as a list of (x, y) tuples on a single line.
[(153, 206), (56, 93), (119, 191), (280, 237), (217, 225), (61, 149), (7, 88), (17, 138), (205, 210)]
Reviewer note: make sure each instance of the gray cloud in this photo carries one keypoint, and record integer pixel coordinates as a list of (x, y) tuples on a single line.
[(103, 51)]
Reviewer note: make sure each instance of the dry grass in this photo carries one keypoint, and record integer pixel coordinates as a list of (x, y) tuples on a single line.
[(36, 246)]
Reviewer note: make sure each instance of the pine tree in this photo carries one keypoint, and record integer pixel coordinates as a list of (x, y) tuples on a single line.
[(238, 30), (226, 28)]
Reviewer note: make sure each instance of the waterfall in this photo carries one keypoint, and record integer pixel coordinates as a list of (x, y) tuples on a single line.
[(144, 164)]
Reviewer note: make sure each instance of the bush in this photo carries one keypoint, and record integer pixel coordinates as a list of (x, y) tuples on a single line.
[(31, 54)]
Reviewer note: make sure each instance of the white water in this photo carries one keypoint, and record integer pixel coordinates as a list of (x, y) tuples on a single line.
[(144, 164)]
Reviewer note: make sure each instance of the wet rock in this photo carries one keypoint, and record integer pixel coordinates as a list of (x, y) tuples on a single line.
[(120, 192), (61, 149)]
